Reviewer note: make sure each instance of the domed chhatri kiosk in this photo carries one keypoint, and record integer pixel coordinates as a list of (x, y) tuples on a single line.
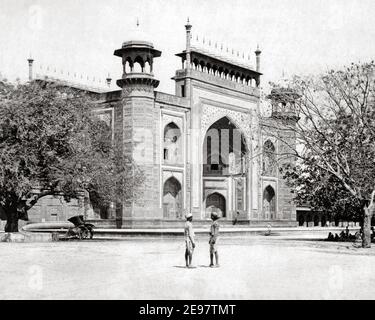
[(202, 149), (137, 60)]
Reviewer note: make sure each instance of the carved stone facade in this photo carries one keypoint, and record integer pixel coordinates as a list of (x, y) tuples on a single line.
[(202, 149)]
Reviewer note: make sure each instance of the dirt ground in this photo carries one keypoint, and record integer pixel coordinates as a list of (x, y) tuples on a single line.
[(256, 267)]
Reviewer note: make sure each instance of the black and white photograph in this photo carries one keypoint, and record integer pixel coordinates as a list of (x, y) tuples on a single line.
[(187, 150)]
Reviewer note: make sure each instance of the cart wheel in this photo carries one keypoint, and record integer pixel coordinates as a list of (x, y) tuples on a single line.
[(85, 234)]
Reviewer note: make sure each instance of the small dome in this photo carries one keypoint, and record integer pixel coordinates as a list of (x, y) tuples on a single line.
[(137, 36)]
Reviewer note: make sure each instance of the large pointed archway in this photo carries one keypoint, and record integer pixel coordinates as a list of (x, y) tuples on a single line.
[(224, 168), (224, 149)]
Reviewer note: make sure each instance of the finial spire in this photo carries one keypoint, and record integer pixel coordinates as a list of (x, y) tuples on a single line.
[(30, 61), (188, 25), (258, 51), (257, 54)]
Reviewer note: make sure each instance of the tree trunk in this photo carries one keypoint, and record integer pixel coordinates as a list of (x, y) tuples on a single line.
[(12, 221), (366, 235)]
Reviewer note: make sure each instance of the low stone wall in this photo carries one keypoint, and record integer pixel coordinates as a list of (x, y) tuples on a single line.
[(25, 237), (48, 225)]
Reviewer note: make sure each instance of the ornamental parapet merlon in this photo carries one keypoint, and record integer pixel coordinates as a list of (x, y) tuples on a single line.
[(220, 67), (215, 80)]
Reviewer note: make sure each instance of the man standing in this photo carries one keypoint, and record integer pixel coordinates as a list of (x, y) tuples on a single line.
[(189, 240), (214, 233)]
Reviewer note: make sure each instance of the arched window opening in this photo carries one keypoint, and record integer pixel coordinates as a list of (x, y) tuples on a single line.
[(269, 203), (214, 70), (316, 220), (172, 144), (172, 199), (147, 68), (215, 202), (221, 70), (128, 66), (209, 68), (324, 220), (226, 73), (269, 159), (138, 65), (195, 63), (201, 66), (301, 219)]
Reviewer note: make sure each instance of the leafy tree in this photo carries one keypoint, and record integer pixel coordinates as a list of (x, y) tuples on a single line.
[(336, 134), (51, 143), (322, 192)]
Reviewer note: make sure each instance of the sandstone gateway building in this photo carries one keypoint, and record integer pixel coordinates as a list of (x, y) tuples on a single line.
[(203, 149)]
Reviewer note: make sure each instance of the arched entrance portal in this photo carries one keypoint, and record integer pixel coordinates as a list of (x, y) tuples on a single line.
[(225, 168), (215, 203), (172, 199)]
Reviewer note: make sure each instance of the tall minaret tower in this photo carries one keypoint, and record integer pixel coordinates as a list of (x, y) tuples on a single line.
[(135, 125)]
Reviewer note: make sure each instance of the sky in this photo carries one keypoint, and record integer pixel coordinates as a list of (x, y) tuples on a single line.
[(76, 36)]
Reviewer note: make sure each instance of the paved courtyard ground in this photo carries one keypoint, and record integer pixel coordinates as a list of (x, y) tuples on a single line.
[(256, 267)]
